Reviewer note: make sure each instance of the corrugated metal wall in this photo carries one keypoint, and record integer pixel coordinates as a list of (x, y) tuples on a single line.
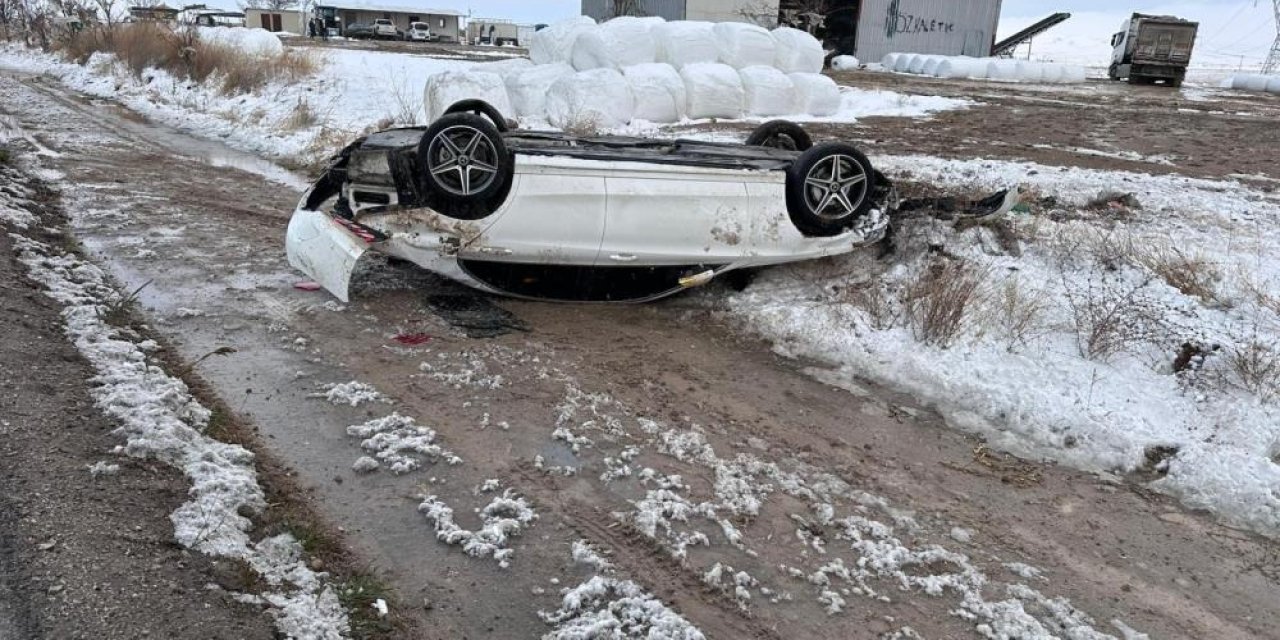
[(949, 27), (603, 9)]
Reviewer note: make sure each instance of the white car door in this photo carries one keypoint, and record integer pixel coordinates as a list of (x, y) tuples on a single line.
[(555, 214), (667, 214)]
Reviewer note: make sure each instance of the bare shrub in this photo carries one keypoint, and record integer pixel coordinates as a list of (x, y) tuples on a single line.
[(876, 301), (1254, 366), (1112, 317), (301, 117), (1112, 248), (1018, 314), (941, 300), (1191, 273)]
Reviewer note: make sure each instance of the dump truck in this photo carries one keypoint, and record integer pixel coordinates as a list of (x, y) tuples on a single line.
[(1150, 49)]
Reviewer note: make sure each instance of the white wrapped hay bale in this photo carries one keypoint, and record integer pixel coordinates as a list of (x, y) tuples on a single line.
[(1002, 70), (1250, 82), (1073, 74), (906, 62), (528, 89), (816, 94), (555, 43), (1273, 85), (744, 45), (685, 42), (955, 67), (1029, 71), (590, 100), (767, 91), (504, 68), (843, 63), (918, 63), (618, 43), (931, 65), (797, 51), (713, 90), (1051, 73), (448, 87), (658, 91), (253, 41), (889, 60)]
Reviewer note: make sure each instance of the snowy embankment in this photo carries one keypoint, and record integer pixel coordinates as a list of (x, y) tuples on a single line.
[(352, 92), (1112, 338), (159, 419)]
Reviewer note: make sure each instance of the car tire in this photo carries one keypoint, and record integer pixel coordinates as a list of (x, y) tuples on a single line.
[(780, 134), (481, 108), (465, 166), (829, 187)]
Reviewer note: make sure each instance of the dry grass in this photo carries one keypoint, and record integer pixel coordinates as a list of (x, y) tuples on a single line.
[(1254, 366), (1112, 317), (876, 301), (940, 302), (300, 117), (1191, 273), (1017, 313), (146, 45)]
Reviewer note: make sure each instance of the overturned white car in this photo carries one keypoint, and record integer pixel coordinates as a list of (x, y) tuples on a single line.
[(553, 216)]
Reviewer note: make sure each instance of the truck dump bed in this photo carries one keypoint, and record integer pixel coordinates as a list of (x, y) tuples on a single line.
[(1164, 39)]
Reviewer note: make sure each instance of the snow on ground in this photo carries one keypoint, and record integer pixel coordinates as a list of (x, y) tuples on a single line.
[(1100, 281), (353, 92), (159, 419)]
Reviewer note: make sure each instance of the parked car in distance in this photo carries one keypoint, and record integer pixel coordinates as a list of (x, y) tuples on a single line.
[(421, 32), (362, 30), (384, 28)]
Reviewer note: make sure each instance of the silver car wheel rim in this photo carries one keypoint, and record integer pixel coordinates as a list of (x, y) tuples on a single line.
[(463, 160), (835, 187)]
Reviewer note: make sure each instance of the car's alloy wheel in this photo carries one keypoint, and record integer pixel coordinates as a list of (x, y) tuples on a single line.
[(465, 167), (463, 160), (835, 187), (829, 187)]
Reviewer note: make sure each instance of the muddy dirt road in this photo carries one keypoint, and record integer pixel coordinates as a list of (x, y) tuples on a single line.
[(730, 483)]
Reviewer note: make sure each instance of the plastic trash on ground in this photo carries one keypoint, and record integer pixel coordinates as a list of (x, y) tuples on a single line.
[(744, 45), (685, 42), (816, 94), (448, 87), (713, 91), (658, 90), (844, 63), (555, 43), (588, 101), (528, 89), (797, 51), (768, 92)]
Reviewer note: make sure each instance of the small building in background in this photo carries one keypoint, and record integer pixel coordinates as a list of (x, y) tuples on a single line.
[(492, 31), (157, 13), (445, 24), (277, 20), (210, 18)]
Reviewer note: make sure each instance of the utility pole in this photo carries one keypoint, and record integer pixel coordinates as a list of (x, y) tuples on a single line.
[(1272, 65)]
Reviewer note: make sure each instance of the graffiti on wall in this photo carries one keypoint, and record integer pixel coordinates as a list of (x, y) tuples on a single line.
[(896, 22)]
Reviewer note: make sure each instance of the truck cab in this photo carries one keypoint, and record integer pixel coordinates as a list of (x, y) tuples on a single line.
[(1150, 49)]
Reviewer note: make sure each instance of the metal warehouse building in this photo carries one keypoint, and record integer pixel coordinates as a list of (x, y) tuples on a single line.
[(760, 11), (867, 28)]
